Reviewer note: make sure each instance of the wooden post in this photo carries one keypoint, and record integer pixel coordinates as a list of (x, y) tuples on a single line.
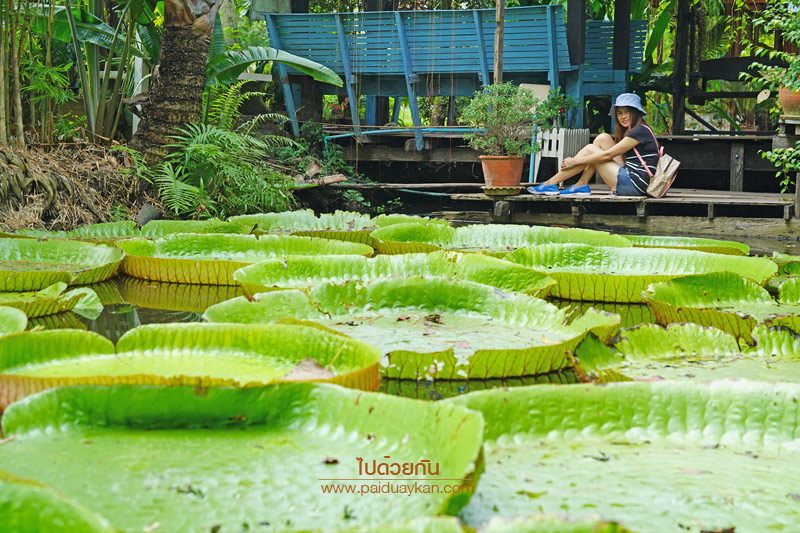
[(499, 19), (576, 31), (622, 34), (378, 113), (797, 195), (679, 72), (737, 166)]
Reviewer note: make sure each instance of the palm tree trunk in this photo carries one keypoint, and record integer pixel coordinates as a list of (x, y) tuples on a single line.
[(175, 96)]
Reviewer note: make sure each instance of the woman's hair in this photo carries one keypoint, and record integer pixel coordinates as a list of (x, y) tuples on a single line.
[(636, 119)]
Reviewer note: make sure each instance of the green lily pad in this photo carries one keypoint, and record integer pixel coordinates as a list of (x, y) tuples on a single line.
[(212, 259), (788, 265), (27, 505), (550, 524), (434, 328), (722, 300), (340, 225), (32, 265), (612, 274), (156, 229), (713, 246), (184, 354), (692, 352), (12, 321), (440, 389), (663, 456), (53, 300), (493, 238), (630, 314), (179, 456), (103, 232), (306, 272), (173, 296)]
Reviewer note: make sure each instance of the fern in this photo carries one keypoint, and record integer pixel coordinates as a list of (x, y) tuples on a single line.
[(178, 196)]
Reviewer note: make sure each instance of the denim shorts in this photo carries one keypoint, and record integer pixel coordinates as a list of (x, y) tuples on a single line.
[(625, 186)]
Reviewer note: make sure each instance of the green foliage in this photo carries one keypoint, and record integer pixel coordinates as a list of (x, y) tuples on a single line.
[(504, 113), (784, 18), (213, 171), (43, 82), (554, 110), (787, 161)]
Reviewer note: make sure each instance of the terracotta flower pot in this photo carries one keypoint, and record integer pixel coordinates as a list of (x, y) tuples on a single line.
[(502, 170), (790, 100)]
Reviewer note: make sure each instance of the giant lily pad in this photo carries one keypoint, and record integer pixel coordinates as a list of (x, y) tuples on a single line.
[(53, 300), (162, 228), (212, 259), (307, 272), (184, 354), (434, 328), (173, 296), (714, 246), (493, 238), (27, 505), (12, 320), (630, 314), (340, 225), (440, 389), (692, 352), (723, 300), (652, 456), (32, 265), (178, 457), (103, 232), (611, 274)]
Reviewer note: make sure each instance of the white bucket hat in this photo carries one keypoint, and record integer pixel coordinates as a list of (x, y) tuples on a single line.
[(628, 100)]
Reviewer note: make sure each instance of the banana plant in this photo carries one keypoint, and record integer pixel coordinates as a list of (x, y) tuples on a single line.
[(139, 34)]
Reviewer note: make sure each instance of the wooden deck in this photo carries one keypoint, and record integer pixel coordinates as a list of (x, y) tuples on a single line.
[(676, 197)]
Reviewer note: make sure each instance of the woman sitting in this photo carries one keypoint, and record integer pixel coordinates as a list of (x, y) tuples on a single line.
[(615, 159)]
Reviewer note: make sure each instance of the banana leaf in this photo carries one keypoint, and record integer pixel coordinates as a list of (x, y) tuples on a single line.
[(184, 354), (434, 329), (225, 67), (12, 321), (690, 243), (666, 456), (613, 274), (32, 265), (211, 259), (492, 238), (27, 505), (53, 300), (179, 456), (306, 272), (722, 300)]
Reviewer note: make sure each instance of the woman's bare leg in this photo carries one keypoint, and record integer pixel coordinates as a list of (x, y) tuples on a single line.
[(604, 141), (572, 171)]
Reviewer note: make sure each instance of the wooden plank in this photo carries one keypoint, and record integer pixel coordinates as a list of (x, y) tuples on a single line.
[(420, 186), (388, 153), (737, 166)]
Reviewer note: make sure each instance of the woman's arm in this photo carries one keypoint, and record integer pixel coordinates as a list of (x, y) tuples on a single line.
[(600, 156)]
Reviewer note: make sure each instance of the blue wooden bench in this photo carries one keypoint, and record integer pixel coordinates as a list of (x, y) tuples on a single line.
[(442, 52)]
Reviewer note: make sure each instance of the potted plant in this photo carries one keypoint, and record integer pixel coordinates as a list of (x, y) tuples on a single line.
[(504, 113), (785, 18)]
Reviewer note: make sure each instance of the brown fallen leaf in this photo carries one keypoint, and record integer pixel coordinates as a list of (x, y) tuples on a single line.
[(308, 370)]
